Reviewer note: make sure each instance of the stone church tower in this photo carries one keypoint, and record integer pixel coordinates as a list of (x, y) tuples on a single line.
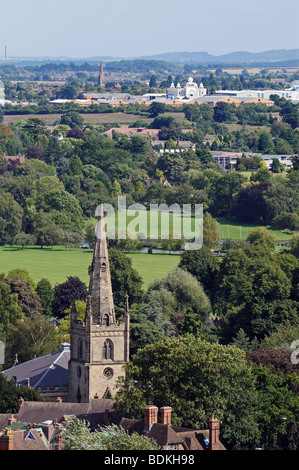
[(99, 345), (101, 81)]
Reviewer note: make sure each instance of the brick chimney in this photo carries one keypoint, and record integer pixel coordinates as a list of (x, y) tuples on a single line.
[(20, 402), (166, 415), (107, 417), (214, 426), (6, 440), (150, 416), (12, 419)]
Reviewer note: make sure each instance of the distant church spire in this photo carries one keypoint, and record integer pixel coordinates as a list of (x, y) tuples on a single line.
[(100, 288), (101, 81)]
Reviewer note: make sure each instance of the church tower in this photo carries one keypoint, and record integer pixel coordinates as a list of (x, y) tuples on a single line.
[(99, 345), (101, 82)]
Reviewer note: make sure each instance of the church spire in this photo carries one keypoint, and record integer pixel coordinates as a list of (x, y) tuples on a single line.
[(101, 305), (101, 82)]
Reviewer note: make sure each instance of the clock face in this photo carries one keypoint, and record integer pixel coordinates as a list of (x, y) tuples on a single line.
[(108, 372)]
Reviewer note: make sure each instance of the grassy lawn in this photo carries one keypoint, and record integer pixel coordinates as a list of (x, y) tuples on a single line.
[(58, 263), (229, 229), (153, 266)]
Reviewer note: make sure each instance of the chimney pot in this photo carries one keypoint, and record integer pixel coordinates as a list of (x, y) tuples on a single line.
[(107, 417), (20, 402), (12, 419), (150, 416), (214, 425), (166, 415), (6, 440)]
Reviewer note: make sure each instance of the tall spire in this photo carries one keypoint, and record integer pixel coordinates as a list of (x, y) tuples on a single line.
[(101, 82), (101, 305)]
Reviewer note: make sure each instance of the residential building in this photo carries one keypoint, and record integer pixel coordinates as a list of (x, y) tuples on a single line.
[(39, 425), (171, 437)]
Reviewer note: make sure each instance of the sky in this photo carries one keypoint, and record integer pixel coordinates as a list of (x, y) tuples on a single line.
[(131, 28)]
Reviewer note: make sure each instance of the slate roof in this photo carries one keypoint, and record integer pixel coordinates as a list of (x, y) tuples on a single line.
[(93, 412), (46, 371), (32, 439), (165, 434)]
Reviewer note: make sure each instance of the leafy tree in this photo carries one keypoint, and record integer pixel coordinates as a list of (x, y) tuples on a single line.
[(252, 292), (294, 244), (10, 219), (29, 338), (34, 127), (172, 165), (178, 293), (124, 278), (75, 166), (242, 341), (10, 312), (282, 336), (153, 82), (66, 293), (21, 273), (223, 112), (277, 360), (143, 330), (261, 236), (62, 201), (211, 232), (78, 436), (28, 300), (116, 188), (44, 229), (277, 411), (24, 239), (10, 394), (45, 291), (249, 204), (192, 325), (72, 119), (156, 108), (221, 193), (201, 264), (178, 371)]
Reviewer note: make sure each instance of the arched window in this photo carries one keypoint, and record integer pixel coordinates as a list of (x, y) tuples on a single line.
[(105, 320), (108, 349), (103, 267)]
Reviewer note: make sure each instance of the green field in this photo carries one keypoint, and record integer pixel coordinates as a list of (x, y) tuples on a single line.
[(229, 229), (58, 263)]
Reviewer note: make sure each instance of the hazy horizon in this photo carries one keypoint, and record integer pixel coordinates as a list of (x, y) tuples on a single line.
[(132, 28)]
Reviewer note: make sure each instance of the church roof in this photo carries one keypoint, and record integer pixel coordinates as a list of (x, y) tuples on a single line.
[(45, 371)]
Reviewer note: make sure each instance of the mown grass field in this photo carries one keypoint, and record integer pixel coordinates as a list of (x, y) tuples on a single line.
[(58, 263), (89, 118), (229, 229)]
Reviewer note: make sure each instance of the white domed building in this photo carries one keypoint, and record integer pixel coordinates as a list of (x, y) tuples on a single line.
[(190, 91)]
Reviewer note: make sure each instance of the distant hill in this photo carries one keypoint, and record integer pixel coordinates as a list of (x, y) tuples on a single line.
[(281, 55)]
